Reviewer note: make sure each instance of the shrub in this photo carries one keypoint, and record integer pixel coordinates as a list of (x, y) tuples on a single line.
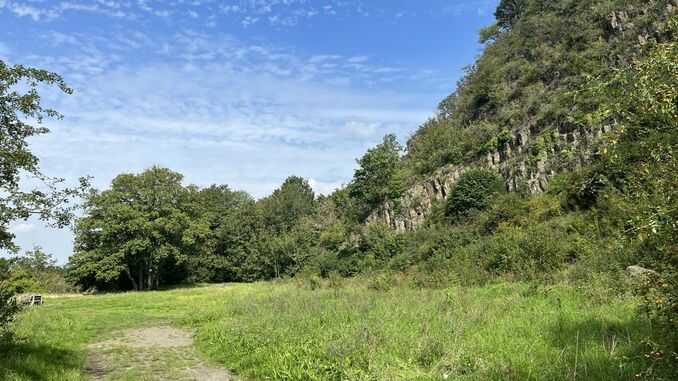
[(307, 279), (533, 253), (509, 208), (381, 282), (473, 192), (431, 350), (8, 303), (8, 310), (580, 189), (380, 244)]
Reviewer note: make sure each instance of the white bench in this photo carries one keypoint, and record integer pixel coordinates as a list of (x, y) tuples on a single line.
[(33, 300)]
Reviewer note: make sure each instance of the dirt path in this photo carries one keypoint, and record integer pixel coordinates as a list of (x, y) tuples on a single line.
[(154, 353)]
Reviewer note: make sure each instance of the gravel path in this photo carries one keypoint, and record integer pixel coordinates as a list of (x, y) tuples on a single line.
[(154, 353)]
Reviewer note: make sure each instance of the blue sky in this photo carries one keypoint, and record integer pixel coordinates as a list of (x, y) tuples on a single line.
[(243, 92)]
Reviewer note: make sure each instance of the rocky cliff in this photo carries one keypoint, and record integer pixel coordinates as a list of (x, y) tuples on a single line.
[(526, 161)]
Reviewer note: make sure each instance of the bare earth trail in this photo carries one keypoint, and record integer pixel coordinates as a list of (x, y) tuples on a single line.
[(153, 353)]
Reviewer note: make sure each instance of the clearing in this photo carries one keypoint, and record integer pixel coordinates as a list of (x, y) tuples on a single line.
[(349, 331)]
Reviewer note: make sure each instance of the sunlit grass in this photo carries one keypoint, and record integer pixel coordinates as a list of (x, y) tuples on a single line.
[(282, 331)]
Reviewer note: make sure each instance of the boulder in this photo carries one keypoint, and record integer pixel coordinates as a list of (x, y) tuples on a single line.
[(638, 272)]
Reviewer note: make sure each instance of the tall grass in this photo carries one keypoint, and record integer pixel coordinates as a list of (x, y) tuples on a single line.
[(284, 331)]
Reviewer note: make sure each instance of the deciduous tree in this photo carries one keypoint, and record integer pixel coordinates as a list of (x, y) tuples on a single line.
[(132, 235)]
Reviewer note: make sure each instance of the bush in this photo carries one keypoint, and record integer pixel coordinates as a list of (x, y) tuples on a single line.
[(8, 303), (533, 253), (35, 271), (580, 189), (381, 282), (473, 192), (380, 244), (308, 279), (510, 208)]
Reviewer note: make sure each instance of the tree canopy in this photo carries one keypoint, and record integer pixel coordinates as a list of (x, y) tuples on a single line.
[(134, 232), (376, 178), (20, 105)]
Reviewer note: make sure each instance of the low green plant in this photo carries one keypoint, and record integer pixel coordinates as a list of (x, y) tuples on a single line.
[(382, 281), (473, 192), (430, 351), (335, 280), (8, 310)]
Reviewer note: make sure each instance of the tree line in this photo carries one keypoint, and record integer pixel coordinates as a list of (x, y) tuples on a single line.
[(149, 230)]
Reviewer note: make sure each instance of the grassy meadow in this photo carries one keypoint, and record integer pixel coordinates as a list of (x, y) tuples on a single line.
[(288, 331)]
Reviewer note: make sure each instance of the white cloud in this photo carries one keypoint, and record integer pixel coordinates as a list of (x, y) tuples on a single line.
[(278, 13), (249, 20), (21, 227), (25, 10), (323, 187), (323, 58), (358, 59)]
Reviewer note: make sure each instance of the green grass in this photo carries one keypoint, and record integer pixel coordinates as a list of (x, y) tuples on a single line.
[(280, 331)]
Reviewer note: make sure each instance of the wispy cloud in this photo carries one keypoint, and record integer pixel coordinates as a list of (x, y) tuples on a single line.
[(275, 12), (199, 102), (21, 227)]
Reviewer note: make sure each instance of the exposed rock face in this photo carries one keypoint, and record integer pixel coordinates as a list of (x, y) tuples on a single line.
[(526, 162)]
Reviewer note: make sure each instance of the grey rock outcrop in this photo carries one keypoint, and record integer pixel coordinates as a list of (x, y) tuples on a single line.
[(526, 162), (639, 272)]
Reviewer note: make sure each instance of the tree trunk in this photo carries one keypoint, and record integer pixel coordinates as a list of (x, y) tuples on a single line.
[(131, 278)]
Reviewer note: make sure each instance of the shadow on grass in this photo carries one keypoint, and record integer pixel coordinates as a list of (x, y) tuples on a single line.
[(566, 332), (26, 361), (600, 349)]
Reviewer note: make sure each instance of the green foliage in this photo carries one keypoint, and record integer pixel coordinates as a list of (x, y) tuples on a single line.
[(508, 12), (376, 178), (132, 235), (433, 145), (148, 230), (507, 209), (531, 253), (221, 235), (546, 68), (19, 104), (473, 192), (8, 310), (288, 204), (581, 189), (35, 271), (379, 244), (8, 304), (639, 161), (382, 281)]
